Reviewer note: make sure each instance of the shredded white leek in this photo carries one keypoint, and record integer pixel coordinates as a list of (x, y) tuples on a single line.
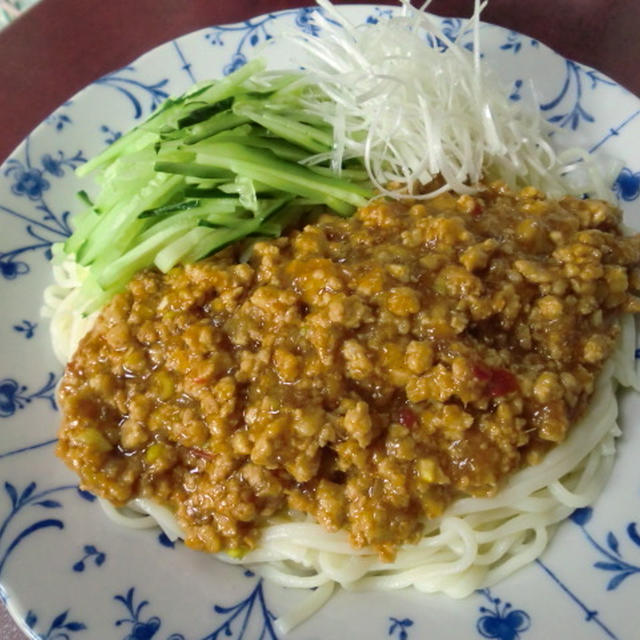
[(415, 105)]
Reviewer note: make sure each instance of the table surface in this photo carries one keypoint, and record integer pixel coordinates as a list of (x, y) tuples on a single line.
[(59, 46)]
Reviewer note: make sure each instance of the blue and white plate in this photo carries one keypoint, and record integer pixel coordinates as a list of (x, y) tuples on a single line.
[(68, 573)]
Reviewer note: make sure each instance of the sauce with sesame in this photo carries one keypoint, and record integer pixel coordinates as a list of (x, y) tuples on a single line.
[(365, 371)]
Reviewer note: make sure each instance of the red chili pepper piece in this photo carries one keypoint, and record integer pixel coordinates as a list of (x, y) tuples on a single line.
[(407, 417), (499, 382), (482, 372), (478, 208)]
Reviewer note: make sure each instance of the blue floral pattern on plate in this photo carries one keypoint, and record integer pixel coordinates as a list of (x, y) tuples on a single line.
[(56, 548), (399, 629), (501, 621), (571, 97), (43, 226), (128, 85), (26, 328), (14, 396), (613, 561), (237, 617), (61, 628), (12, 535), (92, 554)]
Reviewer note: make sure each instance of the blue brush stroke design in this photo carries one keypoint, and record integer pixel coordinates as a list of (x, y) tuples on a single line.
[(573, 91), (20, 501), (591, 615), (136, 91), (501, 621), (59, 118), (239, 617), (33, 182), (141, 629), (255, 32), (241, 613), (514, 42), (515, 92), (613, 561), (86, 495), (627, 185), (379, 13), (14, 396), (59, 629), (165, 541), (30, 447), (451, 28), (400, 627), (90, 553), (615, 131), (186, 65), (111, 134), (26, 328)]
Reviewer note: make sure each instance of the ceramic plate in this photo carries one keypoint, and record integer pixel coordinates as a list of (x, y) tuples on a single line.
[(68, 573)]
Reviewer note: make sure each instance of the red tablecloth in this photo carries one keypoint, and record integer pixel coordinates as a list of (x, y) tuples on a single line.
[(60, 46)]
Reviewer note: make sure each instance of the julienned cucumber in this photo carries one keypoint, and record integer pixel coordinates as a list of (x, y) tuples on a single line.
[(219, 163)]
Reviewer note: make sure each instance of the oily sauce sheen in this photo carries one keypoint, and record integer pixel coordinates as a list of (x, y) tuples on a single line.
[(365, 371)]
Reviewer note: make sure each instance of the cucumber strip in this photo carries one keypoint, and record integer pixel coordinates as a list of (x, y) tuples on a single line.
[(222, 214), (83, 226), (294, 113), (204, 113), (216, 239), (266, 208), (235, 187), (196, 90), (178, 143), (282, 148), (117, 229), (220, 122), (193, 169), (253, 194), (167, 209), (304, 135), (181, 109), (147, 133), (91, 296), (125, 178), (221, 162), (168, 257), (266, 167), (291, 213), (197, 191), (133, 141), (119, 272), (173, 152), (228, 86), (272, 81), (355, 175), (269, 229)]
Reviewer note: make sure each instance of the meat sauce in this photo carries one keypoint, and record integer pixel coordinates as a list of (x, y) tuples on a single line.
[(365, 371)]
